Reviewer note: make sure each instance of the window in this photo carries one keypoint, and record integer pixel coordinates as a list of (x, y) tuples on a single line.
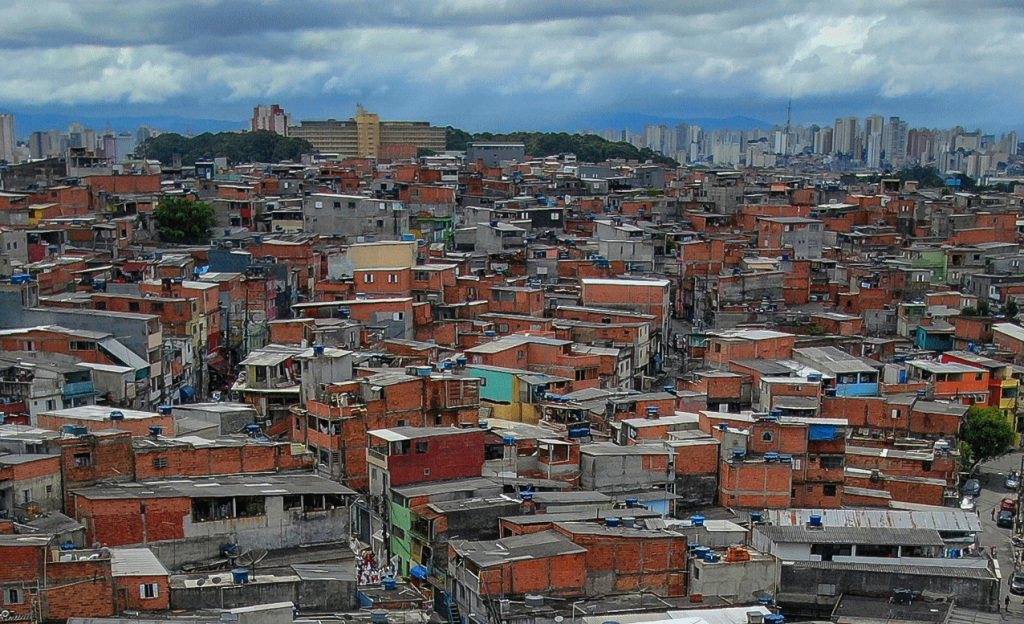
[(133, 306), (51, 404), (148, 591), (422, 276), (26, 496), (101, 305), (767, 436), (49, 490), (810, 488), (368, 278), (398, 316), (828, 490), (14, 596), (352, 205), (392, 278), (422, 447), (83, 460), (156, 306), (160, 462), (82, 345)]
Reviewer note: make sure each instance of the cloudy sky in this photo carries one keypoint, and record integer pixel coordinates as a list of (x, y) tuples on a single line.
[(522, 64)]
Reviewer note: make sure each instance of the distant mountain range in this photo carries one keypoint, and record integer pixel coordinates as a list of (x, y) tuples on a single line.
[(30, 122), (637, 121)]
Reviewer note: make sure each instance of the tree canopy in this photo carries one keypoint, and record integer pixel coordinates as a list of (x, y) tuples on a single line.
[(258, 146), (985, 434), (586, 147), (184, 222)]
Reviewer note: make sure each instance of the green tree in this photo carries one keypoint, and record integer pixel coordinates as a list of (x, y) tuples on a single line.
[(1010, 309), (983, 307), (184, 222), (985, 433), (259, 146)]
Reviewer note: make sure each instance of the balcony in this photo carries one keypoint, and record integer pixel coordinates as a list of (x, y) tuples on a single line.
[(79, 389), (378, 455)]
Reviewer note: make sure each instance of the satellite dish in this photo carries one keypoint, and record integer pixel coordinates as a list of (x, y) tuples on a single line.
[(215, 580), (559, 619), (201, 582), (252, 557)]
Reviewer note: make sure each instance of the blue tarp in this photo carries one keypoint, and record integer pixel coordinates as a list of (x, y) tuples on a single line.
[(187, 393), (419, 572), (822, 432)]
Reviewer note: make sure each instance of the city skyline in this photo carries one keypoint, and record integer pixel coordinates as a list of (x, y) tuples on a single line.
[(488, 66)]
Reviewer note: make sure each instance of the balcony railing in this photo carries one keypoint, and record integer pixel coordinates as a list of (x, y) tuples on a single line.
[(79, 388)]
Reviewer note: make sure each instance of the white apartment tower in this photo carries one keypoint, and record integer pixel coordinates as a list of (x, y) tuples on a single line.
[(8, 137)]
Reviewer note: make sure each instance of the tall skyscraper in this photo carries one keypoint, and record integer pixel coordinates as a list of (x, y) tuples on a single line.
[(845, 138), (894, 142), (8, 137), (272, 118)]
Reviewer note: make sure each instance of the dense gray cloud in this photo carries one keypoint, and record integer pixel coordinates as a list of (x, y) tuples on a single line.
[(500, 62)]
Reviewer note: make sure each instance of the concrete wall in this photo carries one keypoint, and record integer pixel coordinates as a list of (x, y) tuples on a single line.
[(738, 581), (696, 490), (277, 529), (310, 595), (799, 582), (609, 473)]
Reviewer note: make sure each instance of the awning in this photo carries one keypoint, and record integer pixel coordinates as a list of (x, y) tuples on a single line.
[(419, 572), (218, 363), (187, 393)]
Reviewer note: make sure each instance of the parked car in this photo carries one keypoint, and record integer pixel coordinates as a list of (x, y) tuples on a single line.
[(968, 503), (1012, 481), (1008, 504), (1017, 583), (971, 488), (1005, 519)]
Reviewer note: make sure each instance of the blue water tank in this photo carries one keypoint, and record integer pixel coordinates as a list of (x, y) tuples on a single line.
[(612, 522), (318, 349), (156, 430), (240, 575), (390, 584), (815, 520), (697, 520)]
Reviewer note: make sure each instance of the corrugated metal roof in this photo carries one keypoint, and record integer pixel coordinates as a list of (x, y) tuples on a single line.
[(940, 519), (910, 570), (135, 562), (852, 535)]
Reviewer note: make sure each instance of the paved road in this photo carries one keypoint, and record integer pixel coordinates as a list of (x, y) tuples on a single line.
[(991, 476)]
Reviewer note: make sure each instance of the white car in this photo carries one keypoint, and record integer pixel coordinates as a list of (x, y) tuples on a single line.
[(968, 503)]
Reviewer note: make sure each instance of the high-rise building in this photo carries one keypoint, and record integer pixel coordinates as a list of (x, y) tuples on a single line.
[(823, 141), (894, 142), (365, 134), (271, 118), (45, 144), (919, 145), (8, 137), (845, 138)]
